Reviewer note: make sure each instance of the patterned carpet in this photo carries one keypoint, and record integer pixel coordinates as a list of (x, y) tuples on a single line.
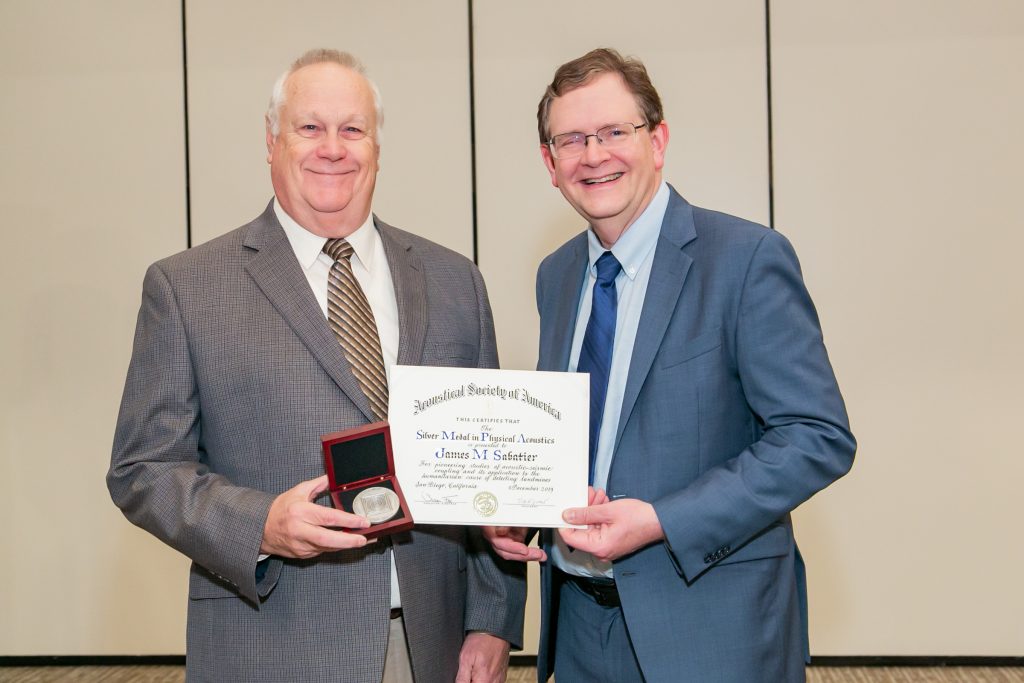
[(176, 674)]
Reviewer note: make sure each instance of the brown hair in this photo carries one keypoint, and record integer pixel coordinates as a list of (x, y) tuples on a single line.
[(582, 70)]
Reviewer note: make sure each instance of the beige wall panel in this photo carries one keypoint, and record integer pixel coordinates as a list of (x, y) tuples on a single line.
[(91, 191), (898, 142), (418, 54), (707, 61)]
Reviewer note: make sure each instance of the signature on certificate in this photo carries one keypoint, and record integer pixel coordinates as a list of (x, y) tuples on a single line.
[(532, 502), (428, 499)]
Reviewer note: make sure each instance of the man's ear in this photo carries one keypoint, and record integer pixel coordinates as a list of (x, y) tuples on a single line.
[(549, 162), (659, 141), (270, 142)]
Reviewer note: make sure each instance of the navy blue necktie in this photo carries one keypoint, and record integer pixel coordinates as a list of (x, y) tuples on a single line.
[(596, 352)]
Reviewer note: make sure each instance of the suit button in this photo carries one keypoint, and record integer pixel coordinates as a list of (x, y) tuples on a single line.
[(707, 559)]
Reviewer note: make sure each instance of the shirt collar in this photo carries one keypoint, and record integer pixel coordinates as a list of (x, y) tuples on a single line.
[(308, 247), (637, 242)]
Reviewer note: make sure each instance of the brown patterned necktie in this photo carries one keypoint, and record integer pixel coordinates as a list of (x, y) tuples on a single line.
[(350, 316)]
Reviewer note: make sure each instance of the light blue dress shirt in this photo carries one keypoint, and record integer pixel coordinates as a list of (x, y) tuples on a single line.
[(635, 251)]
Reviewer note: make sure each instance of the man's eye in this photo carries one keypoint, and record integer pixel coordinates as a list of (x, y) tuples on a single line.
[(615, 132), (568, 141), (352, 133)]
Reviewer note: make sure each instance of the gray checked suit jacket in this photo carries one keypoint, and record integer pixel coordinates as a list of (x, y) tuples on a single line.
[(234, 376)]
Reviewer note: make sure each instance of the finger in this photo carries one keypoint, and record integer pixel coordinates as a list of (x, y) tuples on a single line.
[(321, 485), (311, 488), (600, 497), (492, 532), (588, 540), (535, 555), (516, 533), (586, 516), (509, 545), (329, 539), (325, 516), (513, 550), (531, 555), (577, 538)]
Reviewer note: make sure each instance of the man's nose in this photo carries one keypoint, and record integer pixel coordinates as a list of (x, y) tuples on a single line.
[(593, 151), (332, 147)]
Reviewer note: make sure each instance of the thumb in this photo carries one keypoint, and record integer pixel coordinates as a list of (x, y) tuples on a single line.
[(311, 488), (587, 515)]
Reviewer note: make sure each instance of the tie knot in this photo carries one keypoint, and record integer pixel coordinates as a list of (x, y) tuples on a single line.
[(340, 249), (608, 268)]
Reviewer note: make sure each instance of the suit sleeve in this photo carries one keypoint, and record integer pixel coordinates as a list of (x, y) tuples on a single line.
[(158, 473), (804, 439), (496, 591)]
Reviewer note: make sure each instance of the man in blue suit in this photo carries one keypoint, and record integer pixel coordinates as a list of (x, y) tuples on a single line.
[(714, 408)]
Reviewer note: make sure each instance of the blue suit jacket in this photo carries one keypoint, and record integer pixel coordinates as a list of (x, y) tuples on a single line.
[(731, 418)]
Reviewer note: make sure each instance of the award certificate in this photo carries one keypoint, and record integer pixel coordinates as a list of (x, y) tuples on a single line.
[(489, 447)]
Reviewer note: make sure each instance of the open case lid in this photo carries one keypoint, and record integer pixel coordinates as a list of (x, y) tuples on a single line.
[(355, 456)]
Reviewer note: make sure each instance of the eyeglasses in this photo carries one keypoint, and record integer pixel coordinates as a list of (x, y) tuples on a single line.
[(569, 145)]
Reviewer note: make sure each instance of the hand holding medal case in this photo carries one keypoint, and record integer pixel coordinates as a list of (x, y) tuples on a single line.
[(361, 473)]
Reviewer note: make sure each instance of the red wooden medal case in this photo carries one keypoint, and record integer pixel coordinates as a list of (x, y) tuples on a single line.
[(361, 458)]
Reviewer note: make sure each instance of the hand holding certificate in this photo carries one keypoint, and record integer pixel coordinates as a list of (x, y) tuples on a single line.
[(489, 447)]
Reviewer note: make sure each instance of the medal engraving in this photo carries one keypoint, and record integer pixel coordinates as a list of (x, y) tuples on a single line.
[(377, 504)]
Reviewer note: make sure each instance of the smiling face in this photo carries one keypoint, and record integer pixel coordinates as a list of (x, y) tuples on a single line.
[(324, 160), (609, 188)]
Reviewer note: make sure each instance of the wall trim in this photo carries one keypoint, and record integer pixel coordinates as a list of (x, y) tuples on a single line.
[(93, 660), (916, 661), (870, 661), (530, 660)]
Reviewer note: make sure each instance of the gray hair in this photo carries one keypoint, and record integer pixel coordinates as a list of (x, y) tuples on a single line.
[(319, 56)]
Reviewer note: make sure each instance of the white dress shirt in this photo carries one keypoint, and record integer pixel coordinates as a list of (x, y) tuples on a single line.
[(370, 267)]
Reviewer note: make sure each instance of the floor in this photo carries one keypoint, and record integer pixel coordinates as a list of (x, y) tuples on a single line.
[(176, 674)]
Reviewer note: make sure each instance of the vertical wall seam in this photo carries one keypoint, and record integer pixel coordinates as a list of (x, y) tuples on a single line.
[(188, 170), (771, 148), (472, 131)]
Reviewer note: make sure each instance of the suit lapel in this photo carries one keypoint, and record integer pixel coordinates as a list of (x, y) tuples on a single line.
[(410, 292), (668, 273), (567, 286), (276, 271)]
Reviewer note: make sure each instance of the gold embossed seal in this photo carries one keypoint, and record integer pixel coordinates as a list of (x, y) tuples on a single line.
[(485, 504)]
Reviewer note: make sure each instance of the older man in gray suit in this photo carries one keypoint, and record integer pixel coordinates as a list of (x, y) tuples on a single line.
[(235, 374)]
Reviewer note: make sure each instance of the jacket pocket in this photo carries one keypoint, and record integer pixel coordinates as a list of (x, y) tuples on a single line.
[(457, 354), (203, 584), (676, 354)]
